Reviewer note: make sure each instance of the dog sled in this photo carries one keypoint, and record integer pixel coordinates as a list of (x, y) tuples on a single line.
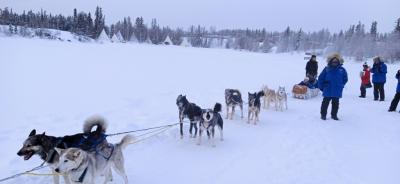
[(304, 92)]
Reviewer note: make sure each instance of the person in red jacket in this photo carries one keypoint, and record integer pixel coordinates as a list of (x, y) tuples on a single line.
[(365, 80)]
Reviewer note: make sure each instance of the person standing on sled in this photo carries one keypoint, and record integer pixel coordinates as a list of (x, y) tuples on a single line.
[(396, 98), (365, 80), (331, 82), (312, 68), (379, 71)]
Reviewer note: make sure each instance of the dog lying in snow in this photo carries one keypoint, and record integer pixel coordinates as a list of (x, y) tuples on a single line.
[(210, 119), (85, 167), (44, 145)]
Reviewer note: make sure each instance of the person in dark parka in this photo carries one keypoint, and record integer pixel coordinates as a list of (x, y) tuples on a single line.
[(312, 68), (331, 82), (379, 71), (396, 98)]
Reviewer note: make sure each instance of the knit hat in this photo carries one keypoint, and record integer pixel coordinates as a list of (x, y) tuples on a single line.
[(365, 64), (333, 56)]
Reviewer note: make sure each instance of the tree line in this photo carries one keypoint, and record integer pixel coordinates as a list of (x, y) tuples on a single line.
[(357, 41)]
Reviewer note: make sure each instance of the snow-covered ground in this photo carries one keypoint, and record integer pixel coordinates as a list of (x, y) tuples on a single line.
[(54, 86)]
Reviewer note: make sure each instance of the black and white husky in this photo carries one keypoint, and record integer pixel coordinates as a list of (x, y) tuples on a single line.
[(254, 106), (44, 145), (233, 98), (210, 119), (188, 110)]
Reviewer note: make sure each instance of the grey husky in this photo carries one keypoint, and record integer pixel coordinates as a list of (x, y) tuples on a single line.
[(84, 167)]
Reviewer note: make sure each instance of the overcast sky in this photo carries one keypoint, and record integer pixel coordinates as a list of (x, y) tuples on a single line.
[(274, 15)]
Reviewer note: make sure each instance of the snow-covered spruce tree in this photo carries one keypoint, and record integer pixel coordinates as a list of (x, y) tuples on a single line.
[(140, 29), (98, 22), (155, 32)]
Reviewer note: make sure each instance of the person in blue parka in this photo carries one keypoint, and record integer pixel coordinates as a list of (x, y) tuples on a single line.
[(396, 98), (379, 71), (331, 82)]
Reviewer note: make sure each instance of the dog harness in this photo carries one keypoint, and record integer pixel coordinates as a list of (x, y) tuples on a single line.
[(82, 177)]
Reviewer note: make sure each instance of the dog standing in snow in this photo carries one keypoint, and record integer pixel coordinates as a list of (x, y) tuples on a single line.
[(269, 97), (254, 106), (84, 167), (210, 119), (44, 145), (188, 110), (233, 98), (281, 98)]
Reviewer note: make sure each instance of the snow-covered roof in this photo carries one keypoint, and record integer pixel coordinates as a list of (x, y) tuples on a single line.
[(103, 37), (168, 41), (185, 42), (120, 37), (148, 40), (133, 38)]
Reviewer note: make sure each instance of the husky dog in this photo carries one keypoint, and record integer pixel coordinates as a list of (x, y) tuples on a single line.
[(210, 119), (44, 145), (269, 97), (233, 98), (254, 106), (281, 98), (188, 110), (84, 167)]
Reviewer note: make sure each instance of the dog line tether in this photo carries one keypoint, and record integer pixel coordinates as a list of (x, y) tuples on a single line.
[(145, 129), (41, 166)]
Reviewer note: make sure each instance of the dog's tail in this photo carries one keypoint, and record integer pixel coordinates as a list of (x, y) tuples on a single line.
[(125, 141), (217, 107), (260, 94), (98, 121)]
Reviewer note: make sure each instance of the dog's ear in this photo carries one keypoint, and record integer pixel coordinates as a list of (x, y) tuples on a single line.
[(77, 153), (33, 132), (59, 150), (44, 133)]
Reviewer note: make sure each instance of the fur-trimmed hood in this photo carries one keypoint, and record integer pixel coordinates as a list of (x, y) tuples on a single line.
[(93, 121), (377, 59), (337, 56)]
